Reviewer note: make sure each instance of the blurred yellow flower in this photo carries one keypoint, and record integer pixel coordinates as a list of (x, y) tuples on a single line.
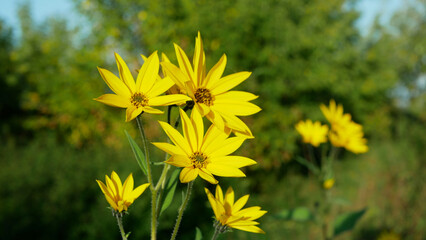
[(334, 114), (389, 236), (204, 155), (344, 132), (229, 213), (120, 196), (329, 183), (140, 96), (313, 133), (210, 91)]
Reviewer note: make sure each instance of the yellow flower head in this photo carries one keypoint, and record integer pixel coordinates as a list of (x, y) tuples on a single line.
[(120, 196), (351, 137), (329, 183), (204, 155), (313, 133), (210, 91), (138, 96), (334, 114), (229, 213)]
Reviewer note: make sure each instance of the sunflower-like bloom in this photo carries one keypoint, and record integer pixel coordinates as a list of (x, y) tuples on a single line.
[(351, 137), (138, 96), (313, 133), (335, 116), (204, 155), (120, 196), (229, 213), (210, 92), (344, 132)]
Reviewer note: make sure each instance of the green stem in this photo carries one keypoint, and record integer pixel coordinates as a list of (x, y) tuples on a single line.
[(182, 209), (120, 225), (216, 233), (151, 187)]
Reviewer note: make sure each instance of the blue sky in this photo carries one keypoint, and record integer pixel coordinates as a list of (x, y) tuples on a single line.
[(41, 9)]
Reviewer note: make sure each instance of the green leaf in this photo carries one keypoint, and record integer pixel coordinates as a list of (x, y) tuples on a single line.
[(198, 234), (170, 188), (140, 157), (347, 221), (128, 234), (308, 164), (299, 214)]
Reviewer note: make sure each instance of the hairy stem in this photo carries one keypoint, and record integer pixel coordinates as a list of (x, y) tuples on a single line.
[(181, 210)]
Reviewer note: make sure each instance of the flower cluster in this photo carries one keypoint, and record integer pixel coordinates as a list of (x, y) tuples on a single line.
[(196, 152)]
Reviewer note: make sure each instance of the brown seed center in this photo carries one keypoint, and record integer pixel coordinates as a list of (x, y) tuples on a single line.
[(198, 160), (203, 95), (139, 100)]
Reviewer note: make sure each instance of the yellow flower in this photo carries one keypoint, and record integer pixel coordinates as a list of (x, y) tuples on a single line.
[(229, 213), (120, 196), (329, 183), (313, 133), (334, 114), (351, 137), (140, 96), (210, 91), (204, 155)]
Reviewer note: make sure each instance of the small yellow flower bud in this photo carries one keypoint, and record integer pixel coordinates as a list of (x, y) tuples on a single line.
[(327, 184)]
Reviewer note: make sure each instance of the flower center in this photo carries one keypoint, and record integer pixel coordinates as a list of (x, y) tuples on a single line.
[(203, 95), (198, 160), (139, 100)]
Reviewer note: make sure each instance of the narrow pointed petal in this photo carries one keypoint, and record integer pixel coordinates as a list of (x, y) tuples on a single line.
[(152, 110), (125, 73), (213, 203), (224, 170), (178, 77), (104, 189), (188, 174), (198, 59), (114, 100), (219, 194), (111, 186), (169, 100), (215, 73), (169, 148), (234, 161), (188, 131), (216, 119), (235, 107), (204, 174), (213, 135), (138, 191), (160, 87), (235, 95), (253, 229), (148, 73), (176, 138), (179, 161), (132, 112), (128, 187), (117, 183), (226, 83), (184, 64), (114, 83), (197, 122), (226, 147), (240, 203), (229, 196), (202, 109)]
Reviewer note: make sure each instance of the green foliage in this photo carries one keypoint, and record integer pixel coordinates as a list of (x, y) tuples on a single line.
[(300, 214), (170, 190), (347, 221), (140, 157)]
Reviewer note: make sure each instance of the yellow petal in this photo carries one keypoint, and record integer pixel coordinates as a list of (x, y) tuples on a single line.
[(184, 63), (117, 183), (224, 170), (104, 189), (176, 137), (240, 203), (169, 100), (138, 191), (148, 73), (234, 161), (213, 135), (235, 95), (215, 73), (202, 108), (188, 131), (111, 187), (229, 196), (125, 73), (188, 174), (237, 126), (175, 74), (198, 59), (152, 110), (128, 187), (253, 229), (226, 147), (179, 161), (132, 112), (197, 122), (216, 119), (219, 194), (235, 107), (213, 203), (114, 83), (228, 82), (160, 87), (169, 148), (111, 202), (204, 174), (114, 100)]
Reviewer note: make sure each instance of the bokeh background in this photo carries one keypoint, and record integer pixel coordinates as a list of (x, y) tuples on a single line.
[(55, 140)]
